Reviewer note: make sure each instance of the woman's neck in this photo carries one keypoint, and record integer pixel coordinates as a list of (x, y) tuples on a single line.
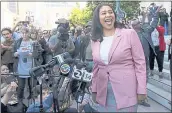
[(107, 32)]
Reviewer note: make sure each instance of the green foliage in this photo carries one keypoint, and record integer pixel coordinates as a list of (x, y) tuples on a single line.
[(131, 8), (80, 16)]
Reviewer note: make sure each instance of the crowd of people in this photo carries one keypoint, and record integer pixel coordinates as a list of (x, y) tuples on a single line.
[(108, 46)]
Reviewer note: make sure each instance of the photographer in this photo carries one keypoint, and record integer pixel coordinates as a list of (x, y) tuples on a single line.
[(63, 42)]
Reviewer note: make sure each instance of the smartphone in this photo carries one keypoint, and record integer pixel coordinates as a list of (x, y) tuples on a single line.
[(11, 78)]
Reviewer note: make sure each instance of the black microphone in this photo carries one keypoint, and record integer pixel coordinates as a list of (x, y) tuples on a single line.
[(57, 60), (38, 71)]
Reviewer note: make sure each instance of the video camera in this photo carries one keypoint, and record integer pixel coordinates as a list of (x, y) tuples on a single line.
[(63, 29)]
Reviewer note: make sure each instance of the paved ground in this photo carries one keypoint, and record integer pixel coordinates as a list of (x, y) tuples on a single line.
[(155, 107)]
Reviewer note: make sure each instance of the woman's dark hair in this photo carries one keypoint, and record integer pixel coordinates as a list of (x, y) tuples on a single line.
[(97, 29), (6, 29)]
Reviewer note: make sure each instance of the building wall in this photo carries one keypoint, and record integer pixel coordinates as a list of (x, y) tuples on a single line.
[(7, 16), (45, 13)]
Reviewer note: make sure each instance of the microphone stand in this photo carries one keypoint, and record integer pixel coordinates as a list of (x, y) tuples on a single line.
[(41, 103), (33, 65)]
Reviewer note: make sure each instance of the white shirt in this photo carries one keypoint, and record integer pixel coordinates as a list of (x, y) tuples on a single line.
[(105, 47), (155, 37)]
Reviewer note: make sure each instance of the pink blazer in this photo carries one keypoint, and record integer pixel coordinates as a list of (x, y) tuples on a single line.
[(126, 69)]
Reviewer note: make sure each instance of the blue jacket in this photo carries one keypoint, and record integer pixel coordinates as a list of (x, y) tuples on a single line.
[(47, 104)]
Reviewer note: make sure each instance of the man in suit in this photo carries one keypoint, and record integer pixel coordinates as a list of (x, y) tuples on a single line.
[(144, 32)]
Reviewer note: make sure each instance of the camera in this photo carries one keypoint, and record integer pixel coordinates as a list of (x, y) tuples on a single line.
[(62, 22), (63, 29)]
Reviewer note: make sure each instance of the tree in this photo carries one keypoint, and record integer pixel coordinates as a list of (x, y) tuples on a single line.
[(80, 16), (131, 8)]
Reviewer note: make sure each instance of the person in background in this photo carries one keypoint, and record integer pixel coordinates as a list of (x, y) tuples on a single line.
[(6, 47), (5, 99), (114, 50), (169, 43), (53, 32), (22, 51), (44, 41), (86, 52), (4, 84), (144, 31), (143, 13), (47, 102), (40, 34), (164, 20), (77, 42), (160, 46), (17, 30), (152, 8), (7, 80)]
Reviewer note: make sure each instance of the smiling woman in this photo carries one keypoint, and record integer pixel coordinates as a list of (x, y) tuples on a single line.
[(114, 50)]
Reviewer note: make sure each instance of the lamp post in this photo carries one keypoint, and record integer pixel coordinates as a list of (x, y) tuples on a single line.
[(119, 12)]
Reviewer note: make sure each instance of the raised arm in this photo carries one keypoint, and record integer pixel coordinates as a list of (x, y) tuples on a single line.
[(155, 21)]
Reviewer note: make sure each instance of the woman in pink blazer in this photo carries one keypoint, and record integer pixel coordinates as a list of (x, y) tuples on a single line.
[(119, 73)]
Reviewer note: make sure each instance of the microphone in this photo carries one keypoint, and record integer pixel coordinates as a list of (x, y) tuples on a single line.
[(83, 75), (57, 60), (38, 71)]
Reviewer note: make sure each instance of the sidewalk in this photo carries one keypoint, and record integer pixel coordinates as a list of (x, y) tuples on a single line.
[(155, 107)]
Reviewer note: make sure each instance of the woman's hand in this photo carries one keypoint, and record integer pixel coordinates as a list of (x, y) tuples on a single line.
[(141, 97), (94, 97), (11, 89)]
